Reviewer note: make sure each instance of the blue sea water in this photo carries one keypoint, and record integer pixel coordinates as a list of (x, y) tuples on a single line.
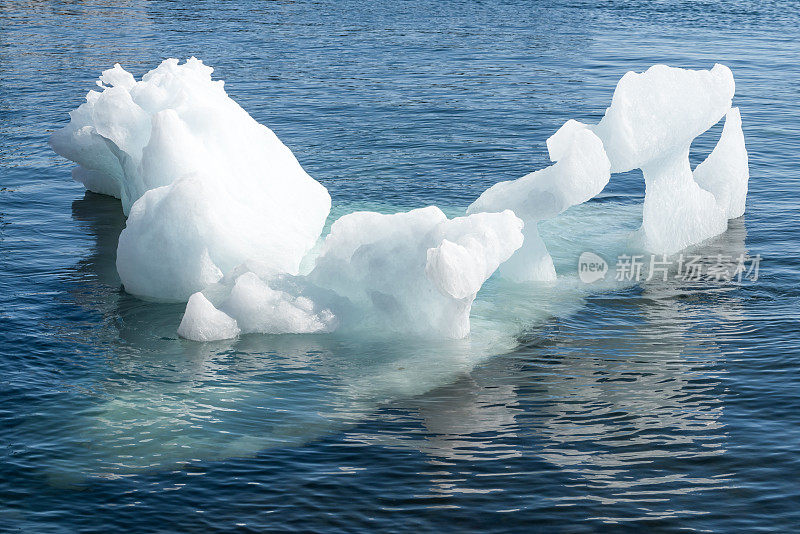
[(658, 407)]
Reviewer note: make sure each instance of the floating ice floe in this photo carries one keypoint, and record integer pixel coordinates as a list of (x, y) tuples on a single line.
[(221, 213), (415, 272), (204, 185)]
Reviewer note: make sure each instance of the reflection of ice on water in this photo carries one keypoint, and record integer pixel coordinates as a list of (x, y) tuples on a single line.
[(165, 401), (631, 401)]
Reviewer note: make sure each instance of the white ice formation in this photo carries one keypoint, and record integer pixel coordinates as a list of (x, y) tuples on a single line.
[(203, 322), (221, 213), (414, 272), (417, 269), (653, 118), (204, 185), (581, 171), (254, 299)]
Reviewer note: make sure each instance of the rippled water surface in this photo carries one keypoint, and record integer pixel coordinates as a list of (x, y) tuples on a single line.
[(665, 406)]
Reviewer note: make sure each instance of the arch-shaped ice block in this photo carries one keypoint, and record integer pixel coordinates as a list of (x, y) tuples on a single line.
[(650, 125)]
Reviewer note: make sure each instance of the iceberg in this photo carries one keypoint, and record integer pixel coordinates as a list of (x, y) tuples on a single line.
[(580, 173), (204, 185), (415, 272), (221, 214), (650, 125)]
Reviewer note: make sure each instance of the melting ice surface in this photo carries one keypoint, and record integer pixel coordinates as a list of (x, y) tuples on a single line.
[(221, 214)]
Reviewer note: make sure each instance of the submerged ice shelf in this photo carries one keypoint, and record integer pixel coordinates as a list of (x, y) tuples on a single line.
[(220, 212)]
